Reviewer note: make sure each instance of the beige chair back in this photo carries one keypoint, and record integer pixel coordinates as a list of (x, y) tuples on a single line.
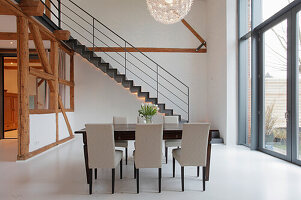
[(101, 145), (194, 144), (148, 145), (171, 119), (119, 120)]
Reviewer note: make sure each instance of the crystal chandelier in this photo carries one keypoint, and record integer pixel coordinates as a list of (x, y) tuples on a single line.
[(169, 11)]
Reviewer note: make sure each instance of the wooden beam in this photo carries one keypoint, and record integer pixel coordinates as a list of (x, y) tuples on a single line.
[(65, 116), (194, 32), (41, 74), (23, 76), (41, 111), (13, 36), (48, 8), (11, 60), (31, 51), (54, 60), (41, 51), (65, 82), (62, 34), (146, 49), (32, 7), (45, 148), (16, 67), (5, 11), (40, 82), (72, 80)]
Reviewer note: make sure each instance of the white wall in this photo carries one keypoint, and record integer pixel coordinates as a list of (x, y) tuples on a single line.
[(222, 67), (42, 129), (98, 97)]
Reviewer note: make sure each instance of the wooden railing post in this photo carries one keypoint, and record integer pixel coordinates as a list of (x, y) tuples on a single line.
[(54, 62), (23, 98)]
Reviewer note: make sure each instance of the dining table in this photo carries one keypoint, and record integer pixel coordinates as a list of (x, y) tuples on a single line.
[(127, 132)]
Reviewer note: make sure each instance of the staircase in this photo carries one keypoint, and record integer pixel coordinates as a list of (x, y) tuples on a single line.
[(168, 92)]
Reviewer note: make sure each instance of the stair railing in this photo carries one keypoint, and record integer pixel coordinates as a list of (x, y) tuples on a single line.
[(63, 14)]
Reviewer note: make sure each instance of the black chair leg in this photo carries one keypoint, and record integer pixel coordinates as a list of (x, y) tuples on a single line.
[(126, 156), (173, 167), (198, 171), (166, 154), (121, 169), (160, 175), (135, 171), (204, 178), (182, 178), (137, 179), (95, 171), (90, 181), (113, 180)]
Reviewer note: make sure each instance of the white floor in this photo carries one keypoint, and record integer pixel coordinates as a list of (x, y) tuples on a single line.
[(236, 173)]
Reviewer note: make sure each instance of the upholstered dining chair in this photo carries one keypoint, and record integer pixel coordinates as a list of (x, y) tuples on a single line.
[(193, 151), (171, 142), (101, 151), (148, 149), (122, 143)]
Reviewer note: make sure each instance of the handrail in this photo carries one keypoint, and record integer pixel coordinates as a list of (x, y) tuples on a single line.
[(126, 43)]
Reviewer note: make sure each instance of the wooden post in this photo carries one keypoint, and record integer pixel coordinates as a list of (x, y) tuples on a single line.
[(23, 98), (72, 80), (48, 8), (54, 61)]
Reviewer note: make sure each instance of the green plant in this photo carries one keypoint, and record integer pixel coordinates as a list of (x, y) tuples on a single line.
[(280, 133), (148, 110), (270, 120)]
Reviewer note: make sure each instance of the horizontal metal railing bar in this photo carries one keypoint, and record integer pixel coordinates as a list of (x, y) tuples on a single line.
[(76, 32), (77, 24), (77, 14)]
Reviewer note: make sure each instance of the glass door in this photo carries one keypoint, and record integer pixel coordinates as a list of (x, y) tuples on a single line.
[(275, 85)]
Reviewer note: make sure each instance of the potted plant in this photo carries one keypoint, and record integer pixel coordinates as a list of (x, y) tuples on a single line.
[(147, 111)]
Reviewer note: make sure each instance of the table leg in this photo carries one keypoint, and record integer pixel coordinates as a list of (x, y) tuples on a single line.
[(208, 157), (86, 162)]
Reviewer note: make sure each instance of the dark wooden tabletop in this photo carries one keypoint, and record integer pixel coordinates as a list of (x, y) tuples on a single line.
[(132, 128)]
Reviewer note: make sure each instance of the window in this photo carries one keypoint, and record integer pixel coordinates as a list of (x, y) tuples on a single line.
[(41, 99), (269, 73)]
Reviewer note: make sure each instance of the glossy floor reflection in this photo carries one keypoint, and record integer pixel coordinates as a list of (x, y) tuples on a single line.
[(236, 173)]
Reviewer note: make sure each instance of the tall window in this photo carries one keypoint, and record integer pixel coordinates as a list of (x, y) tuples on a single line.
[(269, 73)]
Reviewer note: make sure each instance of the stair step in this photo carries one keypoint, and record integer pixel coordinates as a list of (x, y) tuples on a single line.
[(152, 100), (128, 83), (161, 106), (168, 112), (111, 72), (119, 78), (143, 94), (135, 89), (215, 134), (217, 141)]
